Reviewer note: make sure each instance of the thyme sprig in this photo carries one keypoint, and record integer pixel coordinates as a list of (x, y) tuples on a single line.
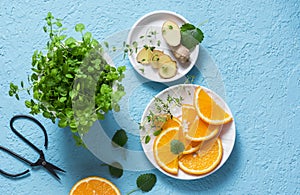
[(161, 112)]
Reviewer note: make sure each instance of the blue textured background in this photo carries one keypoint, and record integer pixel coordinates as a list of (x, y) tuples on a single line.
[(256, 47)]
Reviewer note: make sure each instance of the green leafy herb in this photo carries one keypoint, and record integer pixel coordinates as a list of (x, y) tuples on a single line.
[(78, 141), (120, 138), (147, 139), (79, 27), (65, 73), (158, 43), (142, 70), (191, 36), (145, 182), (116, 170), (177, 146), (159, 115), (156, 133)]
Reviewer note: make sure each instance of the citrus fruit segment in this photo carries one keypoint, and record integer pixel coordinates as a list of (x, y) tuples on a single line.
[(191, 147), (208, 110), (189, 114), (171, 122), (162, 150), (201, 131), (202, 161), (94, 185)]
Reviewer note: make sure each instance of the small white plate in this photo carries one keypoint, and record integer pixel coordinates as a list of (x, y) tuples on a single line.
[(186, 91), (152, 22)]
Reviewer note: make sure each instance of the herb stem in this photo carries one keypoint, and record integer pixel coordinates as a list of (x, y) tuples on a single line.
[(133, 191), (204, 22)]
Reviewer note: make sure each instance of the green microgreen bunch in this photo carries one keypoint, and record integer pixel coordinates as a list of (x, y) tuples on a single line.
[(71, 71)]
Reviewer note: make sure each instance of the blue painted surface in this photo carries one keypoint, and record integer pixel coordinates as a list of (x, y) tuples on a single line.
[(255, 45)]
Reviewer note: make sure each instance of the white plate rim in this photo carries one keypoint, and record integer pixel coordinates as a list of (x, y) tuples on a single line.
[(195, 51), (149, 154)]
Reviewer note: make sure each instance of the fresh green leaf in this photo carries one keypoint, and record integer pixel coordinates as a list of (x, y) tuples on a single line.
[(70, 41), (116, 170), (106, 44), (87, 36), (78, 141), (156, 133), (147, 139), (190, 35), (62, 99), (120, 138), (79, 27), (69, 76), (177, 146), (62, 123), (17, 96), (146, 182)]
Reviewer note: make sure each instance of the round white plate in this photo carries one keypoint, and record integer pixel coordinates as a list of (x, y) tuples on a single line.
[(152, 22), (186, 91)]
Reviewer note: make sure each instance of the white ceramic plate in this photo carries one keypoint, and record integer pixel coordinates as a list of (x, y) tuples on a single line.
[(186, 91), (152, 22)]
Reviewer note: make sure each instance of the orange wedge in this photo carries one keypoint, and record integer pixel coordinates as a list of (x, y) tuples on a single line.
[(189, 114), (162, 150), (202, 161), (171, 122), (208, 110), (94, 185), (191, 147), (201, 131)]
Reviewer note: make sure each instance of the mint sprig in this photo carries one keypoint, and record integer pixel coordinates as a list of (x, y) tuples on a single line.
[(115, 170), (120, 138), (176, 146), (145, 182), (191, 36)]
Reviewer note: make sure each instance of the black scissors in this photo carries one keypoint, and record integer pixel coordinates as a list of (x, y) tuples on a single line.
[(41, 161)]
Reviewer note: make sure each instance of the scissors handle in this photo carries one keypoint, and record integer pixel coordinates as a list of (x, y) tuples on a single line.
[(13, 119), (18, 157)]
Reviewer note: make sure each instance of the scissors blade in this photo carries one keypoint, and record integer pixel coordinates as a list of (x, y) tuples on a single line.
[(51, 171), (55, 167)]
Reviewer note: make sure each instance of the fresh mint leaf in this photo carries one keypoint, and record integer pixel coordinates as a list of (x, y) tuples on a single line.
[(191, 36), (120, 138), (116, 170), (177, 146), (146, 182)]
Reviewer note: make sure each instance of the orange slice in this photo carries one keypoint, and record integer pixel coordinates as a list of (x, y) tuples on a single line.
[(208, 110), (162, 150), (171, 122), (191, 147), (201, 131), (189, 114), (202, 161), (94, 185)]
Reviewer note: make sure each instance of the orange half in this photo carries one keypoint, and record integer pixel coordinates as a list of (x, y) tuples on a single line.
[(94, 185)]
